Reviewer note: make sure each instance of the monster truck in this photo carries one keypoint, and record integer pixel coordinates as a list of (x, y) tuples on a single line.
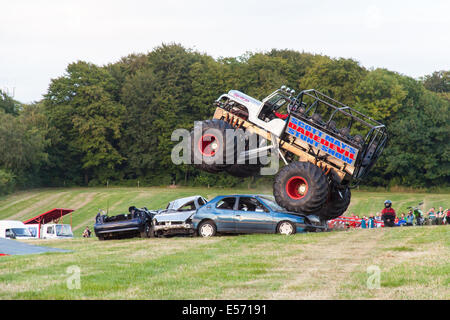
[(326, 146)]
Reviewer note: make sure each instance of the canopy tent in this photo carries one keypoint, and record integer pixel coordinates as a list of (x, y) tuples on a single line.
[(49, 216)]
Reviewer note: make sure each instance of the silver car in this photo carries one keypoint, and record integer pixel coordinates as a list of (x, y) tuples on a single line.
[(177, 217)]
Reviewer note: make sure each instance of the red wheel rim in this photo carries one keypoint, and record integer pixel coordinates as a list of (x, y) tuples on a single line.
[(296, 187), (208, 144)]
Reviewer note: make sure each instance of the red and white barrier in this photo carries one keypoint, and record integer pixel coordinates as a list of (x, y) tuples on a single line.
[(352, 222)]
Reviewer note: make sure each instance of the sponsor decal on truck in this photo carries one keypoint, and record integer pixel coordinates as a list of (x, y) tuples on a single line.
[(322, 141)]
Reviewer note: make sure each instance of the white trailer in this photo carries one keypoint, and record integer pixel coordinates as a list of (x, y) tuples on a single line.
[(14, 230), (50, 231)]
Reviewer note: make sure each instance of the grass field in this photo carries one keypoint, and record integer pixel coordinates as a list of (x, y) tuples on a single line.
[(414, 262)]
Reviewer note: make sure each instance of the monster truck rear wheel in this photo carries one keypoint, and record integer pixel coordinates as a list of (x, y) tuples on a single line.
[(301, 187), (250, 167), (338, 202), (210, 146)]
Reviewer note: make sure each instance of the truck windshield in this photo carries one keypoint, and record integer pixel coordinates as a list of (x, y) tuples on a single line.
[(64, 231), (21, 232)]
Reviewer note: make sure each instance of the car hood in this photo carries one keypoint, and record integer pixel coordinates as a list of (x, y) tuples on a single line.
[(174, 216)]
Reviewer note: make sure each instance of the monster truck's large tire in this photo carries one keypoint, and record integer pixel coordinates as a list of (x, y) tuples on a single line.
[(210, 142), (249, 167), (301, 187), (338, 201)]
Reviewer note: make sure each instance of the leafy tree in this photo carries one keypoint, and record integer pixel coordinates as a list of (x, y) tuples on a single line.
[(81, 107), (336, 78), (438, 81), (380, 94), (8, 104)]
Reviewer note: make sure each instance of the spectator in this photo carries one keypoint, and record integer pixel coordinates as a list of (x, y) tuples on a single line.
[(371, 223), (402, 221), (87, 233), (378, 220), (431, 216), (447, 215), (388, 214), (440, 216), (409, 218), (363, 223)]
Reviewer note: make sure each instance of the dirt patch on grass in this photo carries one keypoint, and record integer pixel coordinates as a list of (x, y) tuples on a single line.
[(320, 269), (35, 206)]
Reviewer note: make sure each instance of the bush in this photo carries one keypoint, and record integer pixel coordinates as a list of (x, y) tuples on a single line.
[(7, 182)]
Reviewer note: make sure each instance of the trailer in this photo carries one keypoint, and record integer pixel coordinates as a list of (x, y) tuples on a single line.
[(48, 225)]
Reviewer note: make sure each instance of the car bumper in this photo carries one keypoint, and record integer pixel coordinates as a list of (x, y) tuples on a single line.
[(185, 226)]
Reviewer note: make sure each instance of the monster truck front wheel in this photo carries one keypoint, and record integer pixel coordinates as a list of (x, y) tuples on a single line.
[(338, 202), (209, 146), (301, 187)]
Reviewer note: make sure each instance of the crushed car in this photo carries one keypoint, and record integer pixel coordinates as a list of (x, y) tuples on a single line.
[(137, 222), (177, 217)]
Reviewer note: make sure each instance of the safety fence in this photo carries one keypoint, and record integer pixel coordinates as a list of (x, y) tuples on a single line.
[(350, 222)]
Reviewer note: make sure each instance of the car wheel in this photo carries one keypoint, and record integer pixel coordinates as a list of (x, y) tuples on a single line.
[(207, 229), (286, 228)]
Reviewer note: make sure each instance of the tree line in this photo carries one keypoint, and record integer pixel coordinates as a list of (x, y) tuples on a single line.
[(114, 122)]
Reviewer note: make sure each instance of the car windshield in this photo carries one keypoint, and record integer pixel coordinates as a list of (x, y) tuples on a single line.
[(272, 204), (21, 232), (63, 231)]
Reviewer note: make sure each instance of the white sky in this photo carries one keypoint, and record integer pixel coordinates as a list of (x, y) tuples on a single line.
[(38, 39)]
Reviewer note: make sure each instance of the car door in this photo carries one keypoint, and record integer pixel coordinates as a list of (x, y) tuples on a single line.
[(225, 214), (253, 217)]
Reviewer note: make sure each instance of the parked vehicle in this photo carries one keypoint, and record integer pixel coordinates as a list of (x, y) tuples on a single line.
[(250, 214), (14, 230), (51, 231), (327, 147), (136, 223), (177, 217), (418, 214)]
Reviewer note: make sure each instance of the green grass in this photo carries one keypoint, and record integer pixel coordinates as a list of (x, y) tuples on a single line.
[(316, 265), (414, 261)]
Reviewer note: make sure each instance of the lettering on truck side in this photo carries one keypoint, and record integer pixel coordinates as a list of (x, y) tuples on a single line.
[(322, 141)]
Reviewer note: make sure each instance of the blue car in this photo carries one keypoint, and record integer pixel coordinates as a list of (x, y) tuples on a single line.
[(250, 214)]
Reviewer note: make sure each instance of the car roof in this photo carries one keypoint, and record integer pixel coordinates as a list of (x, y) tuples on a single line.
[(178, 203), (15, 223)]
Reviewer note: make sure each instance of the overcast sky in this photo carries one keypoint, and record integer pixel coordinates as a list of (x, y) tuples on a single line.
[(39, 38)]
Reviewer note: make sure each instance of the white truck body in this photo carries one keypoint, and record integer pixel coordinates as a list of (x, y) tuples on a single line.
[(254, 107), (51, 231), (14, 230)]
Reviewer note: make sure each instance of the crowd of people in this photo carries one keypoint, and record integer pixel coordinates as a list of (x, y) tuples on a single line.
[(388, 218)]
